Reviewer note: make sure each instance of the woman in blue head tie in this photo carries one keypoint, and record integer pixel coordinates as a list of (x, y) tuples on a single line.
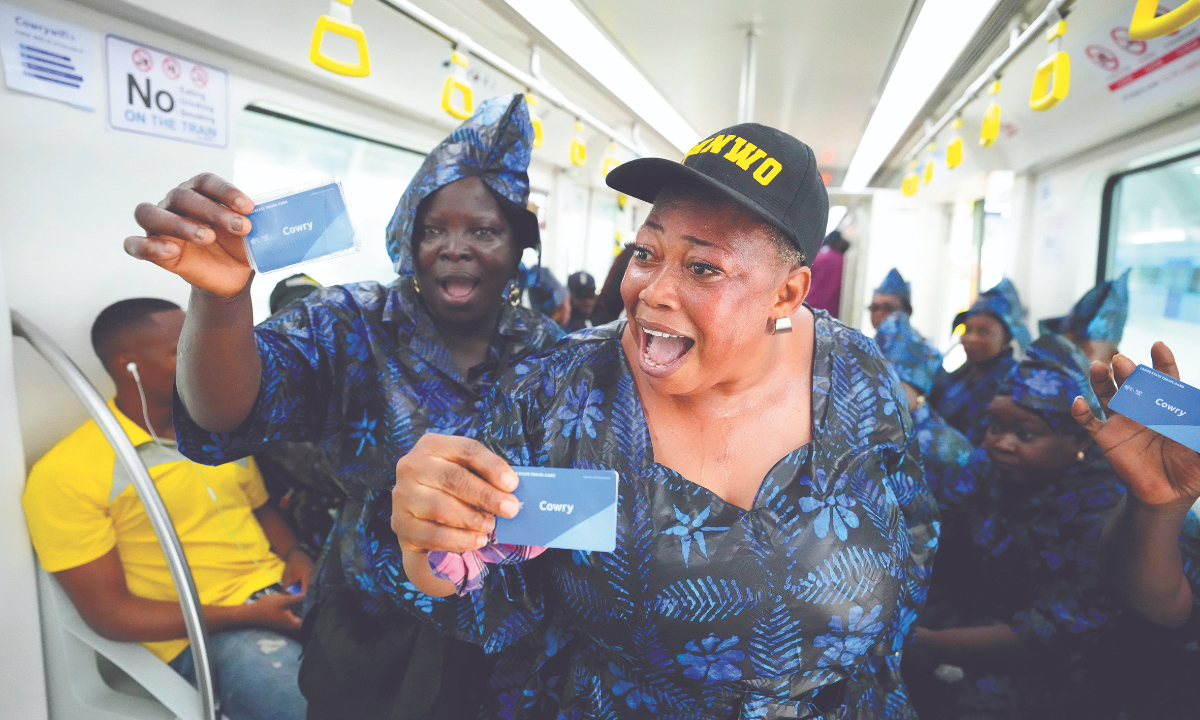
[(1017, 604), (1097, 322), (893, 295), (993, 322), (944, 450), (363, 370), (773, 531)]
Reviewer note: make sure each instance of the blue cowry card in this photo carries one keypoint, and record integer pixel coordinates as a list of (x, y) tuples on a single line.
[(1161, 403), (563, 508), (307, 225)]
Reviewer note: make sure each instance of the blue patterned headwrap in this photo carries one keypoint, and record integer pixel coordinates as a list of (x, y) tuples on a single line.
[(494, 145), (895, 284), (1002, 303), (546, 293), (1049, 379), (1099, 315), (915, 361)]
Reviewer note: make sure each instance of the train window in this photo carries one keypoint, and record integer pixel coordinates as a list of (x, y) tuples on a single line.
[(273, 151), (1151, 225)]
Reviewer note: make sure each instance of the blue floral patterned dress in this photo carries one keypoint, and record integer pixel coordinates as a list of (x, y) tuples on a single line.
[(797, 607), (944, 450), (1028, 556), (362, 371), (962, 402)]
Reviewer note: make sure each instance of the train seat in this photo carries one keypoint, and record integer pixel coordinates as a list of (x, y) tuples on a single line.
[(92, 678)]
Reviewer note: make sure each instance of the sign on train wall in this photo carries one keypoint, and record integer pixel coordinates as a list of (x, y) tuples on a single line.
[(162, 94), (47, 57), (1139, 72)]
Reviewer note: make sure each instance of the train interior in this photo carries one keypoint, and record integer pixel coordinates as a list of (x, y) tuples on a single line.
[(1083, 172)]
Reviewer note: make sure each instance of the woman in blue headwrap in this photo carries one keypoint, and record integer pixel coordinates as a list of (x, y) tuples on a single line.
[(993, 322), (364, 370), (944, 450), (893, 295), (1097, 322), (1022, 577)]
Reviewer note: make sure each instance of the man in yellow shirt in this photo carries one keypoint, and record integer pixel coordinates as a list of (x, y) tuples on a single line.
[(90, 530)]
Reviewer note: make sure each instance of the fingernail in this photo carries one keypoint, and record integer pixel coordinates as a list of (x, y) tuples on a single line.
[(241, 203), (201, 233), (509, 508), (481, 541), (511, 481), (235, 224)]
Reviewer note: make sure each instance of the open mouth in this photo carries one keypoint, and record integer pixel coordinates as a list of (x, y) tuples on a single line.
[(661, 349), (458, 287)]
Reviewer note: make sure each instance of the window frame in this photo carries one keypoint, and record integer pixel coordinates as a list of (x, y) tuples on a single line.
[(1104, 254)]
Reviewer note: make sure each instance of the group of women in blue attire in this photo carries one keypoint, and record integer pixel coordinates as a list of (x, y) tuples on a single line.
[(1021, 620), (785, 481)]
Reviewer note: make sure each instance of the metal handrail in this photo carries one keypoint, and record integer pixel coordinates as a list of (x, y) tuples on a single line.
[(160, 520)]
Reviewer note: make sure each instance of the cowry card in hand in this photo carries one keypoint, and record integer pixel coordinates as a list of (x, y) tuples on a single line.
[(1162, 403), (563, 508)]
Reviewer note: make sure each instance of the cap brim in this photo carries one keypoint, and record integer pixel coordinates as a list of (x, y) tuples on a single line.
[(643, 178)]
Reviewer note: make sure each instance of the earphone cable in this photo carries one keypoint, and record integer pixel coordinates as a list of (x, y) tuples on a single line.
[(211, 494)]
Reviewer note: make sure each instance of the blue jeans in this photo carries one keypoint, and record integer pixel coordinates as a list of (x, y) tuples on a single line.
[(256, 674)]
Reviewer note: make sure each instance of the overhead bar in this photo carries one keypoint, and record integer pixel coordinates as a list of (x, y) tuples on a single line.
[(533, 83), (1049, 16)]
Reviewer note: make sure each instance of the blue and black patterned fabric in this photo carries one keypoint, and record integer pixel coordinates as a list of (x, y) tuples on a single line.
[(1027, 555), (944, 450), (962, 396), (1003, 303), (797, 607), (1049, 379), (1099, 315), (895, 284), (915, 360), (361, 369)]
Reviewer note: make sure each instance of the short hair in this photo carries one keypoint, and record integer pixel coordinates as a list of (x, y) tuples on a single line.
[(700, 194), (120, 317)]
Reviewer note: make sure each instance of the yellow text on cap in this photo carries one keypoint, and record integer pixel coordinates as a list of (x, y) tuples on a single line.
[(743, 154)]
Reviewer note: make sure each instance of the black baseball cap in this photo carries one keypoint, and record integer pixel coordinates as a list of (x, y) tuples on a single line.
[(762, 169), (581, 284), (290, 289)]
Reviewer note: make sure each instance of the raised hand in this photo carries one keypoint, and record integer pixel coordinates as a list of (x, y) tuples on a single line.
[(1157, 470), (196, 232)]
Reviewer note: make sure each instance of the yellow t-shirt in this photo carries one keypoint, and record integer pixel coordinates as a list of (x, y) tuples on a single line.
[(80, 503)]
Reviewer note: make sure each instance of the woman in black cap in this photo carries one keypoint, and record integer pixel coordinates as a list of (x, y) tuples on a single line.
[(773, 528)]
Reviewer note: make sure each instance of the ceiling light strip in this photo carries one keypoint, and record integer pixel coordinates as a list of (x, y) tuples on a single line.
[(1050, 15), (563, 24), (533, 84), (941, 31)]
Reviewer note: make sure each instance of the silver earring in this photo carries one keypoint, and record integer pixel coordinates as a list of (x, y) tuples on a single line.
[(783, 325), (1079, 456)]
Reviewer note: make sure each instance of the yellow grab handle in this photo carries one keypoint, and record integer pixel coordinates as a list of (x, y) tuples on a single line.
[(328, 23), (610, 162), (1145, 26), (909, 185), (622, 198), (954, 153), (578, 147), (991, 125), (1045, 94), (578, 152), (468, 106), (537, 130), (927, 175)]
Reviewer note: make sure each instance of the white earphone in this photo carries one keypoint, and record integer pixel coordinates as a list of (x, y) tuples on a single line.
[(131, 368)]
